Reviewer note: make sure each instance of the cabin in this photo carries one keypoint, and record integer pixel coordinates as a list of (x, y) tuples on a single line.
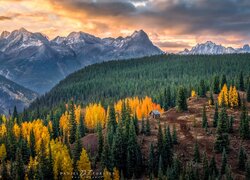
[(155, 114)]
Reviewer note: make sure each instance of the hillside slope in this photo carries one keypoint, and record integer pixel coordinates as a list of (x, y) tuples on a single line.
[(140, 77), (12, 94)]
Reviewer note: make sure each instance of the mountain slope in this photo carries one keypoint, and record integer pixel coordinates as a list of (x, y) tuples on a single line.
[(35, 62), (116, 80), (209, 48), (12, 94)]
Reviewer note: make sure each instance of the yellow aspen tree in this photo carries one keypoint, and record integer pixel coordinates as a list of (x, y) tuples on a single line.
[(193, 93), (234, 99), (62, 163), (84, 165), (78, 114), (223, 96), (116, 175), (94, 114), (3, 130), (16, 130), (3, 152), (106, 174)]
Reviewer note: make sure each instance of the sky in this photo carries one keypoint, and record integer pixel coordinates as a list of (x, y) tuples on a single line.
[(172, 25)]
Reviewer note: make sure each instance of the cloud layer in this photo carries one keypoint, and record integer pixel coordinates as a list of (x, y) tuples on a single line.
[(171, 24)]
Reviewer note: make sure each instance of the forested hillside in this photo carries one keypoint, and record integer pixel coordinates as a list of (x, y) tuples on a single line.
[(150, 76)]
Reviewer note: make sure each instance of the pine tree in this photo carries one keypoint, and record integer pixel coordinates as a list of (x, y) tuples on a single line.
[(241, 82), (82, 126), (134, 154), (19, 166), (244, 123), (216, 116), (181, 101), (111, 118), (247, 175), (242, 159), (216, 87), (4, 171), (159, 141), (248, 92), (72, 123), (213, 167), (223, 80), (228, 173), (224, 162), (77, 147), (169, 137), (167, 154), (15, 115), (167, 99), (211, 99), (205, 166), (160, 169), (100, 140), (175, 138), (151, 160), (196, 153), (148, 129), (202, 88), (107, 156), (135, 119), (204, 118), (222, 140)]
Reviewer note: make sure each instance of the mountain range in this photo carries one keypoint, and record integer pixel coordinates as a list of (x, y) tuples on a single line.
[(13, 94), (212, 48), (37, 63)]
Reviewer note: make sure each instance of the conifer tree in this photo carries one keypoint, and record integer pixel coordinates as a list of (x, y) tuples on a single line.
[(100, 140), (15, 115), (72, 123), (202, 89), (244, 123), (19, 166), (148, 129), (135, 119), (241, 82), (204, 118), (224, 162), (77, 147), (242, 157), (247, 175), (216, 116), (4, 171), (205, 166), (228, 173), (196, 153), (222, 140), (159, 141), (175, 138), (248, 92), (169, 137), (216, 87), (151, 160), (181, 101), (134, 153), (211, 99), (223, 80), (112, 124), (167, 99), (160, 169), (107, 156), (213, 167), (82, 126)]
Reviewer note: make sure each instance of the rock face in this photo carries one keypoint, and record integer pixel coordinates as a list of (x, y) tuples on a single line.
[(12, 95), (35, 62), (212, 48)]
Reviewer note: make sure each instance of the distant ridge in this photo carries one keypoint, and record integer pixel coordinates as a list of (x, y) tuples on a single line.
[(210, 47)]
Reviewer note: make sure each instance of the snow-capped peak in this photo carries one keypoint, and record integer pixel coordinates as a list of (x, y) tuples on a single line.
[(4, 34)]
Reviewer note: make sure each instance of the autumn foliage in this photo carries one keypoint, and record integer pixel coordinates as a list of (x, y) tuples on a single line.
[(228, 97)]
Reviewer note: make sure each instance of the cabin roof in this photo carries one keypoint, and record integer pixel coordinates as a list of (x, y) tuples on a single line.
[(156, 112)]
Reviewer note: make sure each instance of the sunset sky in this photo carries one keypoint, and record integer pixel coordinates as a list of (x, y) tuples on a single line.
[(171, 24)]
